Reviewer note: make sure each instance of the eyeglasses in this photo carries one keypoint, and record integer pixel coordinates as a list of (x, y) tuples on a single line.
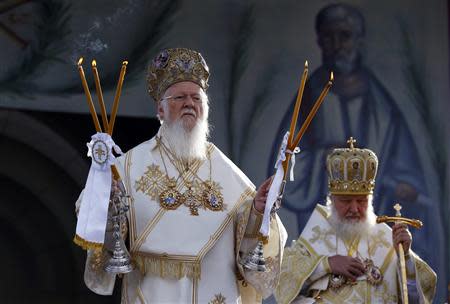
[(184, 97)]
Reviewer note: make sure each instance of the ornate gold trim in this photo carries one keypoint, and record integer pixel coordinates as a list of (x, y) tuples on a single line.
[(178, 266), (351, 187), (165, 266), (326, 265), (258, 216), (140, 293), (213, 239), (305, 243), (314, 263), (194, 290), (387, 260), (152, 223), (86, 244), (322, 211), (240, 224), (148, 228), (132, 222)]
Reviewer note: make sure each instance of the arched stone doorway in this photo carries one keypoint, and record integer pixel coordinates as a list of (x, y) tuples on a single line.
[(40, 178)]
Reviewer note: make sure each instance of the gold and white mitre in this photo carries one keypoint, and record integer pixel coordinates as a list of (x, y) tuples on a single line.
[(351, 170), (176, 65)]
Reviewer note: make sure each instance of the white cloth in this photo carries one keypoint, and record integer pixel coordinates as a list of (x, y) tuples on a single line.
[(92, 216), (275, 187)]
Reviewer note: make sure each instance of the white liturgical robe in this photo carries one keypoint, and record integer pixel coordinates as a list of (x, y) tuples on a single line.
[(184, 255)]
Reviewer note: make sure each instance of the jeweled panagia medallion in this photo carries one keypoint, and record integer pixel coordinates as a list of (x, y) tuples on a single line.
[(212, 197), (373, 273), (170, 198)]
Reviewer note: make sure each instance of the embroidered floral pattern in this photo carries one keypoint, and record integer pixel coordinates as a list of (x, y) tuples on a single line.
[(291, 281), (323, 236), (153, 182), (378, 240), (158, 186)]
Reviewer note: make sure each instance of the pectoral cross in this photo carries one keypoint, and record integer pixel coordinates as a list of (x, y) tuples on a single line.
[(351, 141), (190, 199)]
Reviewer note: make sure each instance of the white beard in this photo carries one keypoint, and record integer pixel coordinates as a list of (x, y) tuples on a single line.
[(186, 144), (348, 230)]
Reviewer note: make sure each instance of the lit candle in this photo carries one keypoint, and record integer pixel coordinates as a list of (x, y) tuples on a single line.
[(114, 170), (100, 95), (313, 111), (305, 125), (117, 96), (298, 102), (88, 96)]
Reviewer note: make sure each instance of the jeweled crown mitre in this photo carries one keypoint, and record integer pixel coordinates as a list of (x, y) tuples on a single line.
[(176, 65), (351, 171)]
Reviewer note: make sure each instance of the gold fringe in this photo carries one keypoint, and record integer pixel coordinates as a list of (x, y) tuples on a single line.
[(166, 268), (86, 244)]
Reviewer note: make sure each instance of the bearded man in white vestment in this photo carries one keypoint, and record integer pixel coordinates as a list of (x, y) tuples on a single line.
[(342, 255), (193, 214)]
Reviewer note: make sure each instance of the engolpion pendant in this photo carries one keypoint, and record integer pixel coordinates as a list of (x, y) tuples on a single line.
[(373, 273), (170, 199), (212, 199)]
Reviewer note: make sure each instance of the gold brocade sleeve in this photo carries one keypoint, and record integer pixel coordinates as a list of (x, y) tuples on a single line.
[(426, 280), (299, 262), (253, 285)]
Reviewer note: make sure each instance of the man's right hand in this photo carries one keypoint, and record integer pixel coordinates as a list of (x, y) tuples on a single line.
[(349, 267)]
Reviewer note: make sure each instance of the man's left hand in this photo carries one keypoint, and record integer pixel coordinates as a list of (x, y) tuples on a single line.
[(401, 234), (261, 195)]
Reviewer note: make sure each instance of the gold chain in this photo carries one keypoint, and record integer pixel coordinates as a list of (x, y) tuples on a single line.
[(210, 198), (162, 158)]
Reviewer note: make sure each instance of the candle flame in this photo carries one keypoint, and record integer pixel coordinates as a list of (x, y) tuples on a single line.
[(331, 76), (80, 61), (94, 63), (124, 62), (306, 64)]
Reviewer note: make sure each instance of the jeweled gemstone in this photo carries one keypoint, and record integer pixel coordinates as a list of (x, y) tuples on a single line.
[(169, 200)]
